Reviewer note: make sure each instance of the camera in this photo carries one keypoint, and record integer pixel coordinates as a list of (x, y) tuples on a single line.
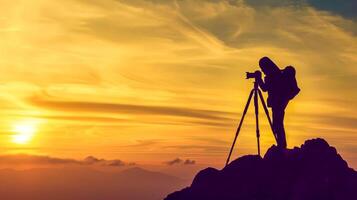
[(256, 74)]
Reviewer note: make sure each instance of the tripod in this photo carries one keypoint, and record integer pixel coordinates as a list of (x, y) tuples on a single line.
[(256, 92)]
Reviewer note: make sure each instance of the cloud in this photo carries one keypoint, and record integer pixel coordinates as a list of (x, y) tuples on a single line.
[(34, 159), (344, 8), (38, 160), (81, 106), (174, 161), (189, 162), (90, 160), (116, 163), (77, 118), (177, 161), (206, 148), (274, 3)]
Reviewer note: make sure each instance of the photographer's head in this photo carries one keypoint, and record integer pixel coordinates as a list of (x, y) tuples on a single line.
[(268, 66)]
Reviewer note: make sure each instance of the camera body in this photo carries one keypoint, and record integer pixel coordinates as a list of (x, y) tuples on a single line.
[(256, 74)]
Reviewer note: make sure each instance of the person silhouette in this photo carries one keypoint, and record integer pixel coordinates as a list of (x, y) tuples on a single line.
[(275, 84)]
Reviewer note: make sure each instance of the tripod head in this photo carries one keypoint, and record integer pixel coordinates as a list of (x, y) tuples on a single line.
[(256, 75)]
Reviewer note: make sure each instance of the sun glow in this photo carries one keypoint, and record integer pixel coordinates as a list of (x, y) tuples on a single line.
[(23, 132)]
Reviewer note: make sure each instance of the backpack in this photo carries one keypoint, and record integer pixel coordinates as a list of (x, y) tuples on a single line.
[(290, 87)]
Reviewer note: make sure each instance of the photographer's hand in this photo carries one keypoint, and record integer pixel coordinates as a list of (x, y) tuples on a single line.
[(258, 75), (260, 81)]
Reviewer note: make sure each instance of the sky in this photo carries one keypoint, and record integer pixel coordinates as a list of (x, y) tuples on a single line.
[(154, 81)]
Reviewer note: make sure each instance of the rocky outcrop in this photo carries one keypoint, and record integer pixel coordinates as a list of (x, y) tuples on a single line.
[(313, 171)]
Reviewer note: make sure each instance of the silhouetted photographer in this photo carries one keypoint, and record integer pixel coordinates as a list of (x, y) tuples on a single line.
[(282, 87)]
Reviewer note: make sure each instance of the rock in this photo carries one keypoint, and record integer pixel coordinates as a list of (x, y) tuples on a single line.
[(313, 171)]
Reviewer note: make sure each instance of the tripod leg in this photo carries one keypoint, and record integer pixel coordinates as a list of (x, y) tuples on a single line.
[(267, 113), (240, 125), (257, 118)]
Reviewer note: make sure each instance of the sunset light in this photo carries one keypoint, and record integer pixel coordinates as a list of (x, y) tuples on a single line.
[(131, 99), (23, 132)]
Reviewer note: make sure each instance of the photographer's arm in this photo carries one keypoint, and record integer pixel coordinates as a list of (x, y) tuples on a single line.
[(261, 84)]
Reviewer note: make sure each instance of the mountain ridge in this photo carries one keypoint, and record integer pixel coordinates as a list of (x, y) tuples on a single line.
[(70, 183)]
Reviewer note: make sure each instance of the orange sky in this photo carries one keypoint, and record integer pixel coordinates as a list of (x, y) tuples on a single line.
[(149, 81)]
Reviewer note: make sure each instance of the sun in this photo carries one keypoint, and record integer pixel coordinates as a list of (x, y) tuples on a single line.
[(23, 132)]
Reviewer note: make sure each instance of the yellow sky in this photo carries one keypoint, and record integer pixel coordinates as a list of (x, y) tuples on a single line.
[(149, 81)]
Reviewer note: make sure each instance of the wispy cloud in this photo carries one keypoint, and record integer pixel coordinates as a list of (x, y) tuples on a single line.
[(81, 106)]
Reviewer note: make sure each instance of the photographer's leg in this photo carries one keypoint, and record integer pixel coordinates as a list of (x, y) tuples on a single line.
[(282, 130), (278, 125)]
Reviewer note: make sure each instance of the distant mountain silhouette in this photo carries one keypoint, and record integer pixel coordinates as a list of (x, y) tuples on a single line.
[(312, 172), (82, 183)]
